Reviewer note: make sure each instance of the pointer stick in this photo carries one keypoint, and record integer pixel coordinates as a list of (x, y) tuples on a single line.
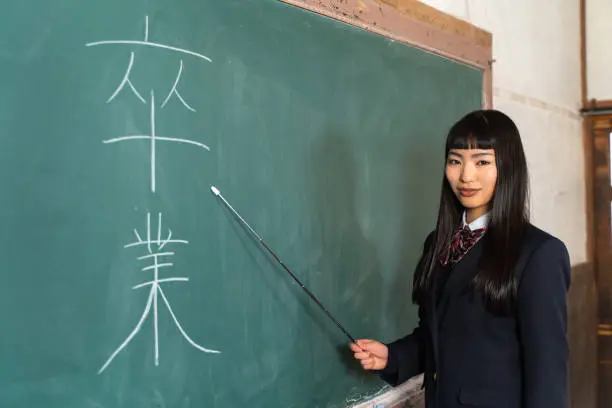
[(313, 297)]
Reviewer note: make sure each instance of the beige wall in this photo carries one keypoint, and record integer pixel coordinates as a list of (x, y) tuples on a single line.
[(599, 51)]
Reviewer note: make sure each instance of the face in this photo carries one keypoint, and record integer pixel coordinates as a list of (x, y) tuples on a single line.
[(472, 174)]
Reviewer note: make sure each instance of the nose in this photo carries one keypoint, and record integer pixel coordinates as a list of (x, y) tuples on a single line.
[(468, 173)]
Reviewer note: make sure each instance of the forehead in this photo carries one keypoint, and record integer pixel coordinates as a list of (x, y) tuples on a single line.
[(471, 152)]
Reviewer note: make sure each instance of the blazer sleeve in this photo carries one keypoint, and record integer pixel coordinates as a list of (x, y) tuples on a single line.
[(542, 317), (407, 355)]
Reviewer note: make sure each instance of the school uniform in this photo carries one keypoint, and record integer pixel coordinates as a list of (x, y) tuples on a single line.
[(473, 358)]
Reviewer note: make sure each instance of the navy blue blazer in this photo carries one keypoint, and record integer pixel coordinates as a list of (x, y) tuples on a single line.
[(472, 358)]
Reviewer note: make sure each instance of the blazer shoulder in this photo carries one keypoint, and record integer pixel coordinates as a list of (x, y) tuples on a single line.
[(430, 238), (535, 238), (539, 244)]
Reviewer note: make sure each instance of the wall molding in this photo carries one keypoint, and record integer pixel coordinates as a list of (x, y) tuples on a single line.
[(532, 102)]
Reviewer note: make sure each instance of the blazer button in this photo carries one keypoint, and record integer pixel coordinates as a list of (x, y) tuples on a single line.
[(435, 376)]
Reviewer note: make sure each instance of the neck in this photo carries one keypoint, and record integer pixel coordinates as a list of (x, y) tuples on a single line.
[(473, 214)]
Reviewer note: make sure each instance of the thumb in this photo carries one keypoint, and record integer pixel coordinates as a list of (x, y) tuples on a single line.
[(364, 343)]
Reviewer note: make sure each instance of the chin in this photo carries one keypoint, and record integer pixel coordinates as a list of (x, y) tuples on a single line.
[(471, 203)]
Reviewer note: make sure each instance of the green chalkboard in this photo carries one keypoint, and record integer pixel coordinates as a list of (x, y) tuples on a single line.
[(327, 139)]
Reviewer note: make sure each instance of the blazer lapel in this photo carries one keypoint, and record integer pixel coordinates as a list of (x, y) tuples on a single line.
[(459, 278)]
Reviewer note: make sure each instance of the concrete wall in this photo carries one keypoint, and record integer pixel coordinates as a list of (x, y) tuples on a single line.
[(599, 51)]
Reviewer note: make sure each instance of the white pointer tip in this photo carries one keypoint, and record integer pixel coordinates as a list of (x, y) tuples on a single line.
[(215, 190)]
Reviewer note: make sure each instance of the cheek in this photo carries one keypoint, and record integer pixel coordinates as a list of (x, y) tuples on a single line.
[(452, 176), (491, 180)]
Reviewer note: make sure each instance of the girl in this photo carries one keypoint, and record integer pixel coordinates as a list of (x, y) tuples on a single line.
[(490, 287)]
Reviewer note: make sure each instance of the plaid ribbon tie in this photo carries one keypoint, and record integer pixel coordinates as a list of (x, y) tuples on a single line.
[(462, 241)]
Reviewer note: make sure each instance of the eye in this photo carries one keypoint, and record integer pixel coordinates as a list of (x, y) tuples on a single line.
[(452, 162), (483, 163)]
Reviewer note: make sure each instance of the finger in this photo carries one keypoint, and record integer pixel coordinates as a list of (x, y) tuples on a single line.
[(364, 342), (369, 366), (367, 363), (372, 363), (355, 347), (362, 355)]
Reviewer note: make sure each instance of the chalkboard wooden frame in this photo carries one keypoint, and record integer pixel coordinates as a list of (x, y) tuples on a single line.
[(419, 25)]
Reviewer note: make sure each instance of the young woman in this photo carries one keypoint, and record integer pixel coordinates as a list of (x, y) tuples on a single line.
[(490, 287)]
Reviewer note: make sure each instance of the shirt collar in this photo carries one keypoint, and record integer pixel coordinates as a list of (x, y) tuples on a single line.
[(478, 223)]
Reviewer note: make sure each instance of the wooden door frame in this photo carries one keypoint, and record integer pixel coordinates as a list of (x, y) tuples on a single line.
[(597, 130), (597, 127)]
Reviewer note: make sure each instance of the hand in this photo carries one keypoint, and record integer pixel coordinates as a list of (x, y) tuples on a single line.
[(372, 354)]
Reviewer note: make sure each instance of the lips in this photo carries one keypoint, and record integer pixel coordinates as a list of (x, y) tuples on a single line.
[(468, 192)]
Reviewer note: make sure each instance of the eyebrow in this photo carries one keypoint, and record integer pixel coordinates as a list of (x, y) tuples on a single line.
[(475, 155)]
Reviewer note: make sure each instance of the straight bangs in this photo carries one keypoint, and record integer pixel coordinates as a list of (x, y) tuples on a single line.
[(473, 132)]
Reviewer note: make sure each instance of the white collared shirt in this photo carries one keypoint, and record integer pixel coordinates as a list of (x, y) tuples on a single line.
[(479, 222)]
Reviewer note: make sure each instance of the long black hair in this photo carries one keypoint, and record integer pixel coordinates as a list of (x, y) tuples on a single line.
[(509, 212)]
